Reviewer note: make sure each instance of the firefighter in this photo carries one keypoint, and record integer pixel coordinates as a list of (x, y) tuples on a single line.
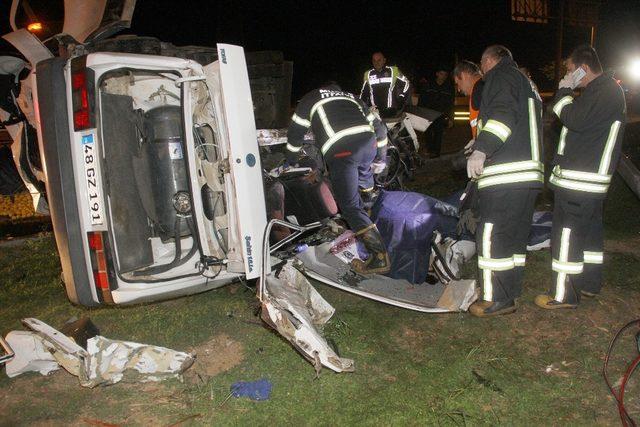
[(468, 79), (385, 87), (587, 155), (506, 162), (353, 143)]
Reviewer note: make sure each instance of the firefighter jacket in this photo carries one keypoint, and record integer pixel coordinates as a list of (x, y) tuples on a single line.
[(474, 106), (510, 130), (333, 114), (387, 88), (591, 138)]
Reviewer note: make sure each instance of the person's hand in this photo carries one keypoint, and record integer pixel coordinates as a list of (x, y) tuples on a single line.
[(567, 82), (475, 164), (378, 167), (469, 147)]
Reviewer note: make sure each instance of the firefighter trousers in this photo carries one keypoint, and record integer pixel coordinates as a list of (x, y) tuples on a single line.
[(576, 247), (349, 163), (501, 238)]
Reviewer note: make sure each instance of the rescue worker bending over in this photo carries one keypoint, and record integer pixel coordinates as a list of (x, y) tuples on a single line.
[(588, 153), (353, 143), (469, 81), (385, 87), (506, 161)]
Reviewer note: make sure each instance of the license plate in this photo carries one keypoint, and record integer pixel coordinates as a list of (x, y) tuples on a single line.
[(94, 192)]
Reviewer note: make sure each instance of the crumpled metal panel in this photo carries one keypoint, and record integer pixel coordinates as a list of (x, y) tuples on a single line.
[(293, 307)]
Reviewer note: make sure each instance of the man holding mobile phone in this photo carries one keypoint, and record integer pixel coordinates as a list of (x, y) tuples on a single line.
[(587, 156)]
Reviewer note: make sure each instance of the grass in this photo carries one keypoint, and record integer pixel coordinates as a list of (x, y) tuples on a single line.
[(529, 368)]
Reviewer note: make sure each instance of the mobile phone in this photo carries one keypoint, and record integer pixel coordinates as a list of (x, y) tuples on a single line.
[(578, 75)]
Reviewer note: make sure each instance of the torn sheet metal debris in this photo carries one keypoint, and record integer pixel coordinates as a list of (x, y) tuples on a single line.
[(112, 361), (320, 264), (31, 354), (104, 361), (296, 310)]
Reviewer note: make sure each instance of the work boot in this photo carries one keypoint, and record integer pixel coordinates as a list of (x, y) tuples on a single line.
[(548, 303), (378, 261), (492, 308), (369, 197)]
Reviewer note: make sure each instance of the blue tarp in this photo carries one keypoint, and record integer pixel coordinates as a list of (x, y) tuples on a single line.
[(406, 222)]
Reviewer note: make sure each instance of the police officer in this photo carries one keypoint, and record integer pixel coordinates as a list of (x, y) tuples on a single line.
[(353, 143), (587, 155), (385, 87), (506, 162)]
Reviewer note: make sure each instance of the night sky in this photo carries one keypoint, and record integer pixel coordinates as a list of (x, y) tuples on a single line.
[(334, 39)]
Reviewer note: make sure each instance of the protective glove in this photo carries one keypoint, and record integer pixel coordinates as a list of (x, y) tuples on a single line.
[(475, 164), (378, 167), (468, 149), (567, 82)]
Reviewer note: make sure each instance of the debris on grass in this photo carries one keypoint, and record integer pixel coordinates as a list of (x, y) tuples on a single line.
[(254, 390), (103, 362)]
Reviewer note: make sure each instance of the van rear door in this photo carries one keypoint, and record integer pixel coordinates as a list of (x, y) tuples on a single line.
[(228, 81)]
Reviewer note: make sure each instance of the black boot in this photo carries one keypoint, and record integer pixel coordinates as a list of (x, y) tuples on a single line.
[(378, 261)]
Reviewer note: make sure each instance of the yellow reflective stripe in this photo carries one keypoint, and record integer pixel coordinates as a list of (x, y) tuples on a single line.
[(567, 267), (519, 260), (495, 264), (526, 165), (382, 143), (486, 252), (510, 178), (335, 98), (580, 175), (605, 162), (497, 128), (533, 131), (325, 122), (578, 185), (563, 102), (593, 257), (299, 120), (344, 132), (479, 125), (564, 256), (293, 148), (562, 143)]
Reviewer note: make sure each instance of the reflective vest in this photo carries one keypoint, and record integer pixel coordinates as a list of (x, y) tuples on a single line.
[(474, 113), (387, 88)]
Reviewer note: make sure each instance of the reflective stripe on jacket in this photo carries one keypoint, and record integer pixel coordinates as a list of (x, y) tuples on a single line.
[(591, 137), (332, 114), (387, 88), (510, 130)]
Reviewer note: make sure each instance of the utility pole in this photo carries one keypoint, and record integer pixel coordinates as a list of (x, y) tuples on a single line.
[(560, 29)]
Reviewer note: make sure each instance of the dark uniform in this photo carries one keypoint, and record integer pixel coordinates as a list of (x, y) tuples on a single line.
[(349, 138), (387, 89), (438, 97), (588, 153), (509, 133)]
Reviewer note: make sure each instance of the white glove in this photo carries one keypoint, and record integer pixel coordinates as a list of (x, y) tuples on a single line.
[(469, 147), (378, 167), (567, 82), (475, 164)]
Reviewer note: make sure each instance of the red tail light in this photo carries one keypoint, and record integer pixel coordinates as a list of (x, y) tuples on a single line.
[(99, 264), (82, 94)]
